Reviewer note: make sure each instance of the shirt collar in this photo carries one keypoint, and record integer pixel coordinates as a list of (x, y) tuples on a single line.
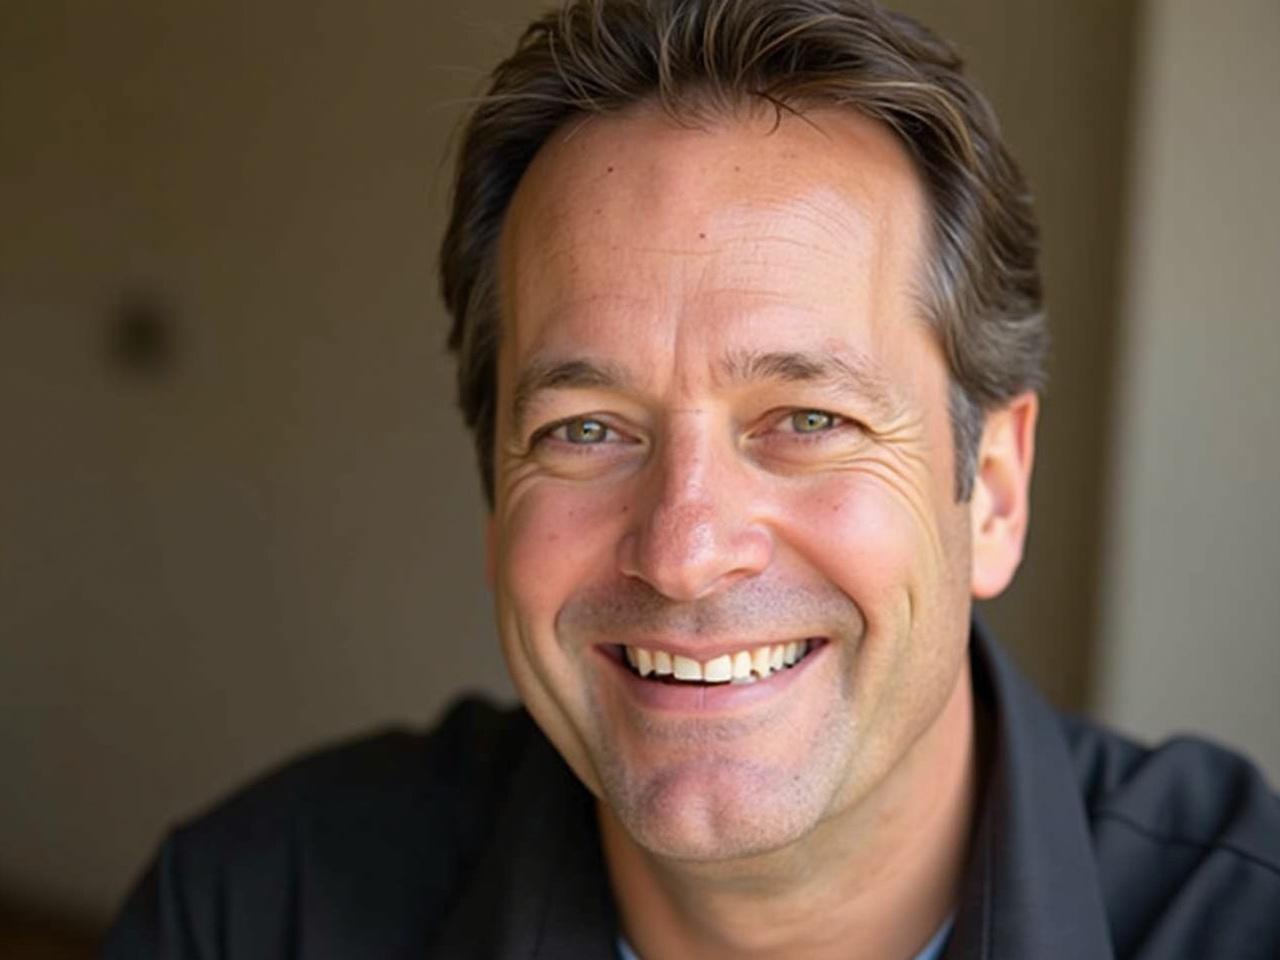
[(931, 951)]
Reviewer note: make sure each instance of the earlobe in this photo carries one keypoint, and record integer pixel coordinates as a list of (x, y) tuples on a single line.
[(1000, 506)]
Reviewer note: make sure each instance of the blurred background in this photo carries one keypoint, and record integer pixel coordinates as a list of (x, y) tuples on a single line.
[(239, 515)]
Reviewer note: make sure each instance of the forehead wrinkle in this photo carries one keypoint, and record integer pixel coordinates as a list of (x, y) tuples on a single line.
[(831, 214)]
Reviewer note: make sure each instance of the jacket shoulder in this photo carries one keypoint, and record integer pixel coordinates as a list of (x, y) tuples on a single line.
[(371, 834), (1187, 843), (352, 779)]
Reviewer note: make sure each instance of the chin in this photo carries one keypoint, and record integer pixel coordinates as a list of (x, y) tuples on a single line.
[(727, 811)]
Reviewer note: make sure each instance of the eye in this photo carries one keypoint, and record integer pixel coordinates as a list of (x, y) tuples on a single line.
[(812, 421), (583, 430), (580, 432)]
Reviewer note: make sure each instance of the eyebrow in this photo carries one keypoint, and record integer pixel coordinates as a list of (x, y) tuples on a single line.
[(854, 374), (543, 375)]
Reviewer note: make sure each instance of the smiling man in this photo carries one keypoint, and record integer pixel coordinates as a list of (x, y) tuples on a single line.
[(732, 572), (748, 323)]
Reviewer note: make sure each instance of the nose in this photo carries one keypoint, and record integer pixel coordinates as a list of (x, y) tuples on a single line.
[(696, 529)]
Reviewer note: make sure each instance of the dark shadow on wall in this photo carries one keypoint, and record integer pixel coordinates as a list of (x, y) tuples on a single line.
[(32, 933)]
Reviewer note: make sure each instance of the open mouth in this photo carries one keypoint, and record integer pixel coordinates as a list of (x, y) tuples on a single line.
[(749, 665)]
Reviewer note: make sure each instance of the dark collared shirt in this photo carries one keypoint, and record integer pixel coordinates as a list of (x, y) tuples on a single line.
[(477, 841)]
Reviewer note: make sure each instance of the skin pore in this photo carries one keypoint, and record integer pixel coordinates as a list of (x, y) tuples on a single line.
[(722, 424)]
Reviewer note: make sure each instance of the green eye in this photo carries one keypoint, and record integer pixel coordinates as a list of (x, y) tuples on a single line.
[(811, 421), (585, 430)]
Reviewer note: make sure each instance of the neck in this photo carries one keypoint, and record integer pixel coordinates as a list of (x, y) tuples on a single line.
[(874, 880)]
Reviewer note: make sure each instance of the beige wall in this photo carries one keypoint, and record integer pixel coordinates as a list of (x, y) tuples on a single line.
[(277, 541), (1191, 632)]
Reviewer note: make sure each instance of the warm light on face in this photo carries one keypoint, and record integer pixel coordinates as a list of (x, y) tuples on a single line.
[(723, 445)]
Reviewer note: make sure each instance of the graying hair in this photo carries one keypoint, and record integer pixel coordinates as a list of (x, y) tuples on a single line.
[(703, 59)]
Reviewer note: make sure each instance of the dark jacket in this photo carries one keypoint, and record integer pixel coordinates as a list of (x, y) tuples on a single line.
[(475, 840)]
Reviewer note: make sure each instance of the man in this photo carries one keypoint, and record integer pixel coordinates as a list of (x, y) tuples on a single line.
[(748, 323)]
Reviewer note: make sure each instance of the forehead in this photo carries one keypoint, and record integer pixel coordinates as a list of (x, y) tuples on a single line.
[(759, 229)]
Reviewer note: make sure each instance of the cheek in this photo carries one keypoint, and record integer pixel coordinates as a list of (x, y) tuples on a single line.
[(861, 537), (553, 541)]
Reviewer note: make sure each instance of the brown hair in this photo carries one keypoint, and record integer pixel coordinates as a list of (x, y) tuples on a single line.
[(981, 290)]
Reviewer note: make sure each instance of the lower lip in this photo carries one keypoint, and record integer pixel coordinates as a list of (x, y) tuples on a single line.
[(709, 697)]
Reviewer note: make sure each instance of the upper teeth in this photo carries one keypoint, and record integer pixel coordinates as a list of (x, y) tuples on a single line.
[(744, 666)]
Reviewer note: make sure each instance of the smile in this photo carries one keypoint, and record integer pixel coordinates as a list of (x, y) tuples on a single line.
[(741, 667)]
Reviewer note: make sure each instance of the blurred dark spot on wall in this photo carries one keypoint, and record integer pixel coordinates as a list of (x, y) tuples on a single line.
[(141, 335)]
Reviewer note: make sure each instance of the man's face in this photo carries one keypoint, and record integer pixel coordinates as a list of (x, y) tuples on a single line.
[(722, 429)]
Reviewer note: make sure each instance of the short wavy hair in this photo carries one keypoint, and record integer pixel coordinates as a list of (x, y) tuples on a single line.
[(698, 60)]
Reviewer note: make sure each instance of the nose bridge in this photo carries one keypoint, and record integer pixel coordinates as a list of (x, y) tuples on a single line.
[(682, 520), (695, 529), (686, 468)]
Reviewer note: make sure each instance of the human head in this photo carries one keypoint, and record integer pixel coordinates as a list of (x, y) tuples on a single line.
[(702, 59), (677, 280)]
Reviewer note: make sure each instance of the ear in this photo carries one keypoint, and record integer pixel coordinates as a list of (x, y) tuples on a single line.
[(490, 551), (1000, 506)]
